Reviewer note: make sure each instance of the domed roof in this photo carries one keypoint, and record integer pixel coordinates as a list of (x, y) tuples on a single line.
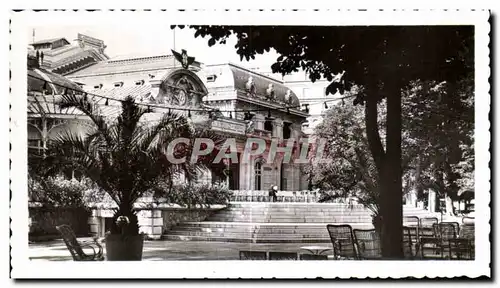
[(243, 79)]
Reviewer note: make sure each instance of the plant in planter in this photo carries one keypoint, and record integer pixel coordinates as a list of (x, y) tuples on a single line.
[(126, 158)]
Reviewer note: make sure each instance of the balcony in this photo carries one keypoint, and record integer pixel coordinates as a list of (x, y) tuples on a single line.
[(262, 133)]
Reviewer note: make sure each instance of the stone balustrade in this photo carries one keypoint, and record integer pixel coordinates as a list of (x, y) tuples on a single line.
[(283, 196)]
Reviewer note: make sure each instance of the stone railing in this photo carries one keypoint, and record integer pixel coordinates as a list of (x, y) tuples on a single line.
[(282, 196)]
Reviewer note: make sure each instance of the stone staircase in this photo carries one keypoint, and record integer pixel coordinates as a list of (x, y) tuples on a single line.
[(264, 222)]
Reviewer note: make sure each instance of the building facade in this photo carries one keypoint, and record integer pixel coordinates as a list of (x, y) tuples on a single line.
[(251, 105)]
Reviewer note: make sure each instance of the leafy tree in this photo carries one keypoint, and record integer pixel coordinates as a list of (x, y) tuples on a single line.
[(383, 59), (432, 146), (125, 158), (442, 127)]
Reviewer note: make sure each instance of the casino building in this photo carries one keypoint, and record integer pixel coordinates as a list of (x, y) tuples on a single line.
[(260, 101)]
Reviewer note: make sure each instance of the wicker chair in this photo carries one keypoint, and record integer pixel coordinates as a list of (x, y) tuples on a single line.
[(313, 257), (368, 244), (76, 247), (343, 241), (253, 255), (282, 256)]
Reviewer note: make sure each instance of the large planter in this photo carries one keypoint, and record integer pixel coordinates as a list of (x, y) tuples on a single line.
[(124, 248)]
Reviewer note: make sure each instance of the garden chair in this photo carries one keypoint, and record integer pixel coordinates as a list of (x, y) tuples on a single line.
[(428, 239), (282, 256), (464, 244), (76, 248), (410, 242), (313, 257), (447, 233), (426, 225), (468, 220), (253, 255), (412, 222), (368, 244), (343, 241)]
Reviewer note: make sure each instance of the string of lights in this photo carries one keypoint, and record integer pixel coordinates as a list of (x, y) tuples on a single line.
[(108, 99)]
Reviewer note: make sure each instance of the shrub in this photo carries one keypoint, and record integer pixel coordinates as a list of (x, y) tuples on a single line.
[(192, 194), (59, 192)]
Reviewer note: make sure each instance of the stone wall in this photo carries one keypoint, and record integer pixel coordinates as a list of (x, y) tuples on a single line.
[(153, 222), (44, 221), (175, 216)]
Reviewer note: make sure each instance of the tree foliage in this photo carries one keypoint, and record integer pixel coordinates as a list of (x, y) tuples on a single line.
[(437, 140), (440, 120)]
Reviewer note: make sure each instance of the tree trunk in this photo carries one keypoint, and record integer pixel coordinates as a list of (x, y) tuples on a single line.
[(392, 196), (389, 168)]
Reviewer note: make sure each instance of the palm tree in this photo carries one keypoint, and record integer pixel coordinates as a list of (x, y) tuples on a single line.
[(127, 157)]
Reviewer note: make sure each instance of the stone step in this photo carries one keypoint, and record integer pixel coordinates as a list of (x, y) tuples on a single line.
[(294, 220), (257, 222), (244, 240)]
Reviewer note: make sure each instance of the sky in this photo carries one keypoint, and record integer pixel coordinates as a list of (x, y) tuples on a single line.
[(150, 40)]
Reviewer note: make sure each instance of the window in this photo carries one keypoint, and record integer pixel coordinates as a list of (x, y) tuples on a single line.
[(268, 124), (118, 84), (139, 83), (283, 183), (211, 78), (287, 130), (258, 176), (98, 86)]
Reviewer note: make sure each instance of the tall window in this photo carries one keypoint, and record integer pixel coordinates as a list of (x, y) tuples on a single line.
[(268, 124), (287, 130), (258, 176), (283, 183)]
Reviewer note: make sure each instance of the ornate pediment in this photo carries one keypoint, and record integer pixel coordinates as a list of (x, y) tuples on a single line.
[(181, 88)]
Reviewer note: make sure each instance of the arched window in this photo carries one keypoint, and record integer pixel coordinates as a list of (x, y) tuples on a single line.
[(258, 175)]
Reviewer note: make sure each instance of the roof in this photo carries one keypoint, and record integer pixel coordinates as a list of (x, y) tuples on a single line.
[(139, 92), (125, 65), (56, 84), (49, 41), (241, 76), (47, 104)]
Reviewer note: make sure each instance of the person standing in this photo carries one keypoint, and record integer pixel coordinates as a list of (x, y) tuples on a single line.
[(273, 193)]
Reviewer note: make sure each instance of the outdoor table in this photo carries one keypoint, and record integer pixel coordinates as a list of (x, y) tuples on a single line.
[(317, 250)]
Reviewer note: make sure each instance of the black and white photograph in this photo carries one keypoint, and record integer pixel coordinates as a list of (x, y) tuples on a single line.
[(250, 144)]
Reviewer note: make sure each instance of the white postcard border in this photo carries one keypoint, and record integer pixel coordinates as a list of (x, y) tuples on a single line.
[(24, 268)]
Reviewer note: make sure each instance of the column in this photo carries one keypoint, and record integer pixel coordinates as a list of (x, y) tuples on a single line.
[(295, 130), (259, 121), (151, 223), (245, 174), (278, 128)]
